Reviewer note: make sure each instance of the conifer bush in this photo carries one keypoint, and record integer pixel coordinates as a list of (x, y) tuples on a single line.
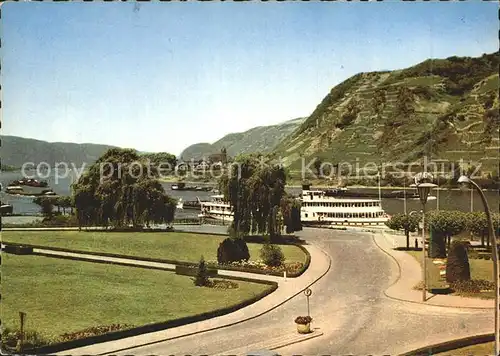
[(232, 250), (457, 266), (201, 279)]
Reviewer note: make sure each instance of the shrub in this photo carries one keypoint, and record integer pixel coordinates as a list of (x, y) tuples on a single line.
[(457, 266), (60, 220), (232, 250), (201, 279), (472, 286), (303, 320), (272, 255), (32, 339), (93, 331)]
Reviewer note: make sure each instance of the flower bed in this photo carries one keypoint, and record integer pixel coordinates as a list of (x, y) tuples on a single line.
[(258, 265)]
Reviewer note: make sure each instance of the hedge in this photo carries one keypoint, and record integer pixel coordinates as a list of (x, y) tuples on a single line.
[(16, 249), (193, 270)]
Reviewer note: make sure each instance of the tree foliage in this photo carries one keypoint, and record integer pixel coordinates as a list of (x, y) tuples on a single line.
[(232, 250), (272, 255), (120, 189), (442, 225), (255, 188), (46, 205), (405, 222), (161, 160)]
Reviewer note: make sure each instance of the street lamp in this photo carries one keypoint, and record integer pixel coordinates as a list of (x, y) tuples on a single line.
[(494, 256), (424, 186)]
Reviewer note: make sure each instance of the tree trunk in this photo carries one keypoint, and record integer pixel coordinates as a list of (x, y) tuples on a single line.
[(482, 239), (407, 239)]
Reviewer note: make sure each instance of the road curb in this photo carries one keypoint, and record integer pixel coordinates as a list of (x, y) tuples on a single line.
[(274, 344), (233, 323), (413, 301), (450, 345)]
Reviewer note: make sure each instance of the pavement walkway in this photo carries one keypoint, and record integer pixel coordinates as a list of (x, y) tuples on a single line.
[(287, 289), (149, 264), (410, 274)]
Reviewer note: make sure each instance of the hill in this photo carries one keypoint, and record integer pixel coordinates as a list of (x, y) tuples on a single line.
[(444, 109), (257, 139), (15, 151)]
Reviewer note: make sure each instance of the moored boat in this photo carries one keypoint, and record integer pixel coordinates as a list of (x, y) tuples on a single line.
[(319, 208), (216, 208)]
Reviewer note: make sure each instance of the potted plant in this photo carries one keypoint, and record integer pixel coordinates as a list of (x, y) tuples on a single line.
[(303, 324)]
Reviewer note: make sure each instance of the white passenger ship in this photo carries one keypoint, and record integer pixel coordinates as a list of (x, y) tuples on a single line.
[(216, 208), (317, 207)]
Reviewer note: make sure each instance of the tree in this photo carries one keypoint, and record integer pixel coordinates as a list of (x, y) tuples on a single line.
[(457, 266), (290, 209), (118, 190), (477, 224), (161, 160), (201, 279), (405, 222), (254, 187), (46, 205), (443, 224)]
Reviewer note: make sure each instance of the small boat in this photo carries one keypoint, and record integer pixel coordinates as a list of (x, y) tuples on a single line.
[(30, 183), (178, 186)]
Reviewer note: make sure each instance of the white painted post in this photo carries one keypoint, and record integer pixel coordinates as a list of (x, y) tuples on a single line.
[(284, 275)]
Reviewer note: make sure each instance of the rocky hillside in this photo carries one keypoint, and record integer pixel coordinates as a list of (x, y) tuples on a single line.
[(257, 139), (444, 109), (15, 151)]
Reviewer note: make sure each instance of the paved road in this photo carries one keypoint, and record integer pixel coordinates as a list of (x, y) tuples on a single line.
[(347, 306)]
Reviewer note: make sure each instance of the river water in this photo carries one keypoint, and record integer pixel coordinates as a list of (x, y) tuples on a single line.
[(448, 199)]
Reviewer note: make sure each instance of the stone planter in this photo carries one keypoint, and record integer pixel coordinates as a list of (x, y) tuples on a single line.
[(304, 328)]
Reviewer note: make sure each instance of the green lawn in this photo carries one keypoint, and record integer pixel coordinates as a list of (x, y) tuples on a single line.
[(63, 296), (433, 278), (485, 349), (187, 247), (479, 269)]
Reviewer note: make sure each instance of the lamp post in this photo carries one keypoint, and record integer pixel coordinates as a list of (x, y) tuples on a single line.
[(424, 186), (494, 256)]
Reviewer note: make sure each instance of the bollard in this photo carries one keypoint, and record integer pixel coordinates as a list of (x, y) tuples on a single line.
[(284, 275)]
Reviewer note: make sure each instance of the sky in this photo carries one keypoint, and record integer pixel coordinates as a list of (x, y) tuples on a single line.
[(162, 76)]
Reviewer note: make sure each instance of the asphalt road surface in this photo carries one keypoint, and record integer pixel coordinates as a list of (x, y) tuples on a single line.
[(347, 305)]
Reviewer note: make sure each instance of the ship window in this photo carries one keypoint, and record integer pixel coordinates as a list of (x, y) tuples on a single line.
[(306, 215)]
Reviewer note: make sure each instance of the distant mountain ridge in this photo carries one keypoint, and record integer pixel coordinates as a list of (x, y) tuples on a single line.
[(257, 139), (15, 151), (445, 109)]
